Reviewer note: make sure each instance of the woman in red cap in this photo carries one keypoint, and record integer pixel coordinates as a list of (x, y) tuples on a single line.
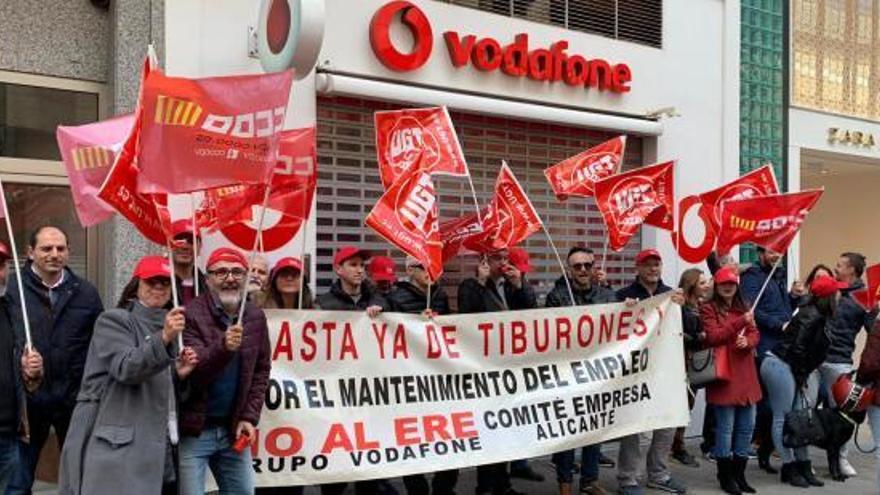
[(787, 369), (127, 401), (729, 327), (285, 281)]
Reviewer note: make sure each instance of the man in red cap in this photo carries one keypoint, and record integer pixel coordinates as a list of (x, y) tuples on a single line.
[(382, 271), (20, 373), (497, 286), (185, 262), (230, 379), (349, 292)]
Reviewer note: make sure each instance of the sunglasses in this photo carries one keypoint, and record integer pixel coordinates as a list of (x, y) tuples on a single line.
[(581, 266), (158, 282)]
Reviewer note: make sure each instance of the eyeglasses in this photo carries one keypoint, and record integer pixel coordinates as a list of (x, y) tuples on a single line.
[(581, 266), (222, 273), (158, 282)]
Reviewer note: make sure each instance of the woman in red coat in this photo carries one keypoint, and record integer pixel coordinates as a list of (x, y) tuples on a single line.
[(730, 328)]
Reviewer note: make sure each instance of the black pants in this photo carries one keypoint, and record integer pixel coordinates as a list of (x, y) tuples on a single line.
[(40, 421), (493, 478), (369, 487), (443, 483), (280, 490)]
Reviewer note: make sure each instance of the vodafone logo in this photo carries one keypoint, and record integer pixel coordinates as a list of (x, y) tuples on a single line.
[(380, 36), (408, 140), (416, 205), (594, 168), (633, 200)]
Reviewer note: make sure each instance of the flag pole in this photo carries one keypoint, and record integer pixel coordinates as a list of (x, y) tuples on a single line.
[(174, 295), (428, 305), (766, 282), (605, 252), (192, 201), (561, 265), (24, 313), (302, 257), (253, 254)]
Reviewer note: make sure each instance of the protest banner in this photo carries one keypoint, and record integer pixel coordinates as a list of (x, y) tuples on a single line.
[(353, 398)]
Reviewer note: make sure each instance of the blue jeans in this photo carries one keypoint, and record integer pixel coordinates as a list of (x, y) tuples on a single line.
[(777, 377), (589, 464), (234, 472), (734, 426), (8, 459), (874, 421)]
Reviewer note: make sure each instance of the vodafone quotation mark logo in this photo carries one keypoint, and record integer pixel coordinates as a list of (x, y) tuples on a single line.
[(380, 36)]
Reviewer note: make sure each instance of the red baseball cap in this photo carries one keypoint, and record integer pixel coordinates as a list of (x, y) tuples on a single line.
[(152, 266), (519, 258), (226, 254), (647, 254), (5, 254), (289, 262), (182, 226), (382, 269), (726, 275), (347, 252), (824, 286)]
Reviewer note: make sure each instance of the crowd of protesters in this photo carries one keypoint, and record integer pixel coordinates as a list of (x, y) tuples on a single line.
[(146, 397)]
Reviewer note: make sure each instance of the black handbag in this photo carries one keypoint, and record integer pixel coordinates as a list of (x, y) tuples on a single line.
[(805, 426)]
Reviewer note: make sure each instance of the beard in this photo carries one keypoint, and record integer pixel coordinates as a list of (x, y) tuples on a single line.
[(229, 298)]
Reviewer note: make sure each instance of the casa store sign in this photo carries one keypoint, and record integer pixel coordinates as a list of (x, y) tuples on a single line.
[(517, 58)]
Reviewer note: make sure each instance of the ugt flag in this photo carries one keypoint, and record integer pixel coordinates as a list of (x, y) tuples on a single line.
[(577, 175), (417, 137), (769, 221), (203, 133), (406, 216), (756, 183), (87, 152), (643, 195)]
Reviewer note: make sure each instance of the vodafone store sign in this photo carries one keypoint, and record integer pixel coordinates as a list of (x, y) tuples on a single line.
[(517, 58)]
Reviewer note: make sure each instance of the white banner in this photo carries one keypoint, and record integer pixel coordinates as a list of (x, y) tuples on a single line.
[(355, 398)]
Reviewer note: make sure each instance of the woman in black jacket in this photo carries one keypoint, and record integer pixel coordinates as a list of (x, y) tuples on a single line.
[(787, 369)]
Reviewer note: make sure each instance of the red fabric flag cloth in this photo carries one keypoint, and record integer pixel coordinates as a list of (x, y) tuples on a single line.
[(577, 175), (88, 152), (203, 133), (120, 187), (870, 295), (756, 183), (770, 221), (406, 216), (643, 195), (509, 219), (417, 137)]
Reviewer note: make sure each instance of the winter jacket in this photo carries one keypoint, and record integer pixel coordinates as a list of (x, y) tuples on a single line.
[(774, 309), (849, 319), (60, 332), (722, 328), (337, 300), (205, 333), (118, 436), (474, 297), (559, 296), (407, 298), (13, 359), (804, 343), (638, 291), (692, 327), (203, 288)]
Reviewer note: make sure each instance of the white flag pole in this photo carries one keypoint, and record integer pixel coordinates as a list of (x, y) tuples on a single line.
[(302, 258), (253, 254), (24, 313), (195, 245), (766, 282), (174, 295)]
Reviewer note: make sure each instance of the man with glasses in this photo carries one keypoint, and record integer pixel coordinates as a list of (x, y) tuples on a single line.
[(586, 292), (184, 256), (228, 385), (497, 286)]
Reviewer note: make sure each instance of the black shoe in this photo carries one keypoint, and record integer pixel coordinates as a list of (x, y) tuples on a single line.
[(684, 457), (739, 474), (724, 469), (805, 468), (764, 461), (791, 475), (527, 473), (605, 461)]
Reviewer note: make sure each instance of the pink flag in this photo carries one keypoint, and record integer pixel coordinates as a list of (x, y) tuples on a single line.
[(88, 151)]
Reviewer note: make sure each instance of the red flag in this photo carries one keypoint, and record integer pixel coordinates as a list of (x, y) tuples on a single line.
[(509, 220), (760, 182), (861, 296), (770, 221), (870, 295), (577, 175), (120, 187), (88, 152), (203, 133), (629, 199), (406, 216), (422, 137)]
